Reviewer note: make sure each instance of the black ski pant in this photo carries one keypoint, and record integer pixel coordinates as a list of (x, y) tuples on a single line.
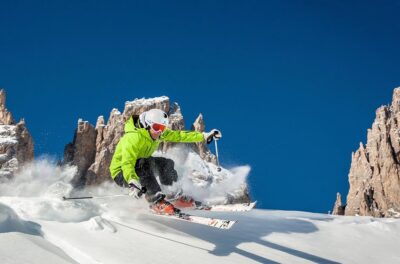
[(147, 169)]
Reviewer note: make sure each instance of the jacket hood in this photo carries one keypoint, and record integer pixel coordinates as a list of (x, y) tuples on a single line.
[(129, 125), (133, 125)]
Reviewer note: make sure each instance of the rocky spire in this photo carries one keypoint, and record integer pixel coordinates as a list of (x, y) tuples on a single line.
[(5, 116), (374, 175), (81, 152), (16, 144), (338, 208), (201, 147)]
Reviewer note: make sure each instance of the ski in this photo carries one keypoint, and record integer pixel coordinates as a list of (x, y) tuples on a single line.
[(207, 221)]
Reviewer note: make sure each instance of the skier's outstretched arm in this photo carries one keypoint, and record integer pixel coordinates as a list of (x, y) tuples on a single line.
[(190, 136)]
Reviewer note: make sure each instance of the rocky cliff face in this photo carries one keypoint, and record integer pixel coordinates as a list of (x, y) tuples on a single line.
[(16, 145), (375, 167), (92, 147)]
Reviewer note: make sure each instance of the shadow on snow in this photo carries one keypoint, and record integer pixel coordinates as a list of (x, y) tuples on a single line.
[(10, 222), (249, 229)]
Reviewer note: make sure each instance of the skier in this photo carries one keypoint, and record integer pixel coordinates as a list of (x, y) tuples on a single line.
[(132, 165)]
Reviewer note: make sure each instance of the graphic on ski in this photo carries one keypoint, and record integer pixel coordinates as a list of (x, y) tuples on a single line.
[(240, 207), (207, 221)]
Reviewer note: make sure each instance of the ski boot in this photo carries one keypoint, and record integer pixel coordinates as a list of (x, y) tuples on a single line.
[(164, 207), (184, 201)]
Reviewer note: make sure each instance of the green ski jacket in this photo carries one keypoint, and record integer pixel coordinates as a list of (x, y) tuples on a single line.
[(137, 143)]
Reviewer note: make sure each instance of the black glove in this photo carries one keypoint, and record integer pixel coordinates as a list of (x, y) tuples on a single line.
[(213, 134)]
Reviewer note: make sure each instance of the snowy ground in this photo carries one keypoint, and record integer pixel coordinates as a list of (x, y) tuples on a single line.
[(36, 226)]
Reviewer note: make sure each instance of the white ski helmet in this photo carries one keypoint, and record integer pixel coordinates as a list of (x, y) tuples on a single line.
[(153, 116)]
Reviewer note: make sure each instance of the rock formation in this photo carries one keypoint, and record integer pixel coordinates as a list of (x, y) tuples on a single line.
[(338, 208), (375, 168), (5, 116), (16, 145), (82, 150), (201, 147)]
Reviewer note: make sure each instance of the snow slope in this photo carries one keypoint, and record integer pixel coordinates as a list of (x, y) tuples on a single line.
[(36, 226)]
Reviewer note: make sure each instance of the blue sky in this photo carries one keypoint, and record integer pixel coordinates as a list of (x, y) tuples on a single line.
[(293, 85)]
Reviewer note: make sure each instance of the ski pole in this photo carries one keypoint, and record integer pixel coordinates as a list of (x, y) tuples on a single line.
[(93, 197), (216, 154)]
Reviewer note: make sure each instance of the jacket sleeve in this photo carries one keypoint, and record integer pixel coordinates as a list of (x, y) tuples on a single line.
[(129, 155), (182, 136)]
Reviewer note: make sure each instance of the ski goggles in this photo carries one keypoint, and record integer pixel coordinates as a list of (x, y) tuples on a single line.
[(159, 128)]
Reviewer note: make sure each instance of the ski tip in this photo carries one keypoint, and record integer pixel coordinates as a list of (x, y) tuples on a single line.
[(230, 225), (222, 224)]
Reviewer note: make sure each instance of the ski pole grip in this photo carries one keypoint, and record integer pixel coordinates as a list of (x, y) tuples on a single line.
[(216, 133)]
